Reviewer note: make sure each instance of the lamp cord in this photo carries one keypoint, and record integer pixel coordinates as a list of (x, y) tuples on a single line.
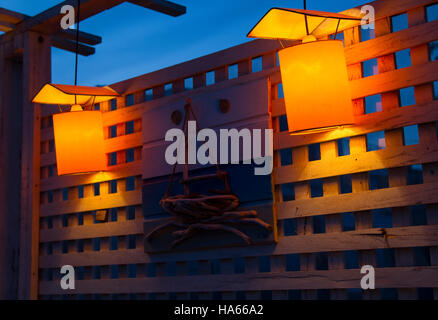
[(77, 46), (305, 17), (337, 27)]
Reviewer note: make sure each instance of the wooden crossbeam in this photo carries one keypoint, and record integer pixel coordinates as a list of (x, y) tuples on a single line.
[(11, 16), (48, 20), (69, 45), (166, 7), (64, 39), (6, 26), (84, 37)]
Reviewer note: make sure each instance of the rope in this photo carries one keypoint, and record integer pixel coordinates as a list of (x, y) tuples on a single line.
[(77, 46), (305, 18), (337, 27), (189, 110)]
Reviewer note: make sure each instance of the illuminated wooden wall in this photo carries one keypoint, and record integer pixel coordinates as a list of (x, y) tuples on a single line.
[(340, 204)]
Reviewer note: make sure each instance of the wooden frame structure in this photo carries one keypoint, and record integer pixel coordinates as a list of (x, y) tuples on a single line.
[(316, 246), (25, 64)]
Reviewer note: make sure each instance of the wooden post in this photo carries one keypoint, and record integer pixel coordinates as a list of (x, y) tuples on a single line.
[(10, 139), (36, 72)]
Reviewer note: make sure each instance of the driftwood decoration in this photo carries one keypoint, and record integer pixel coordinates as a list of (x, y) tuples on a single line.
[(194, 212)]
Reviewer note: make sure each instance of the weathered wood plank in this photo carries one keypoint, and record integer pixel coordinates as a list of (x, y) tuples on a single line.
[(120, 199), (197, 66), (392, 42), (36, 72), (388, 81), (366, 200), (114, 172), (166, 7), (419, 277), (10, 168), (365, 123), (99, 230), (401, 237), (394, 80), (356, 163)]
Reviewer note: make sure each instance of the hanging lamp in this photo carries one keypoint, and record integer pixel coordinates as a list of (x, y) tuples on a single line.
[(78, 133), (314, 73)]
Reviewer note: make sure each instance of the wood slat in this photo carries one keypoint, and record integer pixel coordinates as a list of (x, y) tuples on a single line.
[(365, 123), (394, 80), (166, 7), (99, 230), (355, 163), (197, 66), (121, 199), (388, 81), (362, 239), (392, 42), (418, 277), (366, 200), (114, 172)]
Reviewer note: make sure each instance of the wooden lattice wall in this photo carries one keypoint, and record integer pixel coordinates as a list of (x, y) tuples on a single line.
[(340, 203)]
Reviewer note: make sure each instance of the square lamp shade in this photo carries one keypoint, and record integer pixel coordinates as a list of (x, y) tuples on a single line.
[(314, 74), (315, 86), (79, 140)]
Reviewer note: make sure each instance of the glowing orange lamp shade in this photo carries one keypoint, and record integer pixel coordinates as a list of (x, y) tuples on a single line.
[(79, 142), (78, 134), (314, 73), (315, 86)]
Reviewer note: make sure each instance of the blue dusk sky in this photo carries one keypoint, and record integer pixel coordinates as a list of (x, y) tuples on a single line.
[(137, 40)]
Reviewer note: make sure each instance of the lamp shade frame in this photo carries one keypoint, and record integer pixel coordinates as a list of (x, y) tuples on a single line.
[(296, 24), (63, 94)]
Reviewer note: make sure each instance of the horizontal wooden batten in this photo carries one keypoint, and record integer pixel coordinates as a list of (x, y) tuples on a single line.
[(136, 111), (361, 201), (373, 122), (394, 80), (99, 230), (392, 42), (197, 66), (241, 52), (114, 172), (407, 277), (387, 81), (356, 163), (121, 199), (365, 239), (110, 145)]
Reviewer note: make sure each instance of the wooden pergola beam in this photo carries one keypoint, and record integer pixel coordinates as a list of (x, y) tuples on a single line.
[(49, 20), (166, 7), (84, 37), (9, 19), (6, 26), (68, 45), (11, 16)]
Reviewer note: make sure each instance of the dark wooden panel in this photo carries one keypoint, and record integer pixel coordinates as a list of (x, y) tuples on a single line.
[(247, 186)]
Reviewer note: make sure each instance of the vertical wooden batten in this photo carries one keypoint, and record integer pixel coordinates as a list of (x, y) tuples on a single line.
[(10, 140), (36, 72)]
